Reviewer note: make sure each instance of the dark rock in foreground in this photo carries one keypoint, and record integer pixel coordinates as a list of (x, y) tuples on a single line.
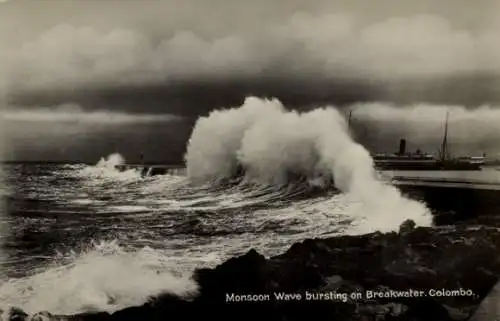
[(419, 274)]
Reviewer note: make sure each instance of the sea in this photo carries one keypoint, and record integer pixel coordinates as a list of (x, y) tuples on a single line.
[(78, 237)]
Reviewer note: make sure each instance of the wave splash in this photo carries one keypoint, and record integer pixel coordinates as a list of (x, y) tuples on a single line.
[(105, 168), (111, 161), (268, 145), (106, 277)]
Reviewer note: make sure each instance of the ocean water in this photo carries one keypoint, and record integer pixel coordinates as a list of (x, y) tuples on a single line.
[(78, 238)]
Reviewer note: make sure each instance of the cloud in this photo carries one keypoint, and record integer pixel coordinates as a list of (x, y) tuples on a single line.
[(423, 124), (73, 114), (411, 46), (330, 45)]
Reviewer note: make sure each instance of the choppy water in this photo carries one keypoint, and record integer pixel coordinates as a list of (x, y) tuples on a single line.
[(86, 233), (77, 238)]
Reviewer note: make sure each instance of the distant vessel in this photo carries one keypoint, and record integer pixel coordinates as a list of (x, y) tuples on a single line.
[(147, 170), (403, 160)]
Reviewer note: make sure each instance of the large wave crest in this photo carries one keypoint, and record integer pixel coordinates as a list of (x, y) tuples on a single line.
[(267, 143)]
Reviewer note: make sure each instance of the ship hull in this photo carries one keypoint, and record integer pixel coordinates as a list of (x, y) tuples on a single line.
[(428, 166)]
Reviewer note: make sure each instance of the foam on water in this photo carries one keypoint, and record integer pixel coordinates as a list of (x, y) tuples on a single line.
[(270, 142), (105, 169), (103, 278)]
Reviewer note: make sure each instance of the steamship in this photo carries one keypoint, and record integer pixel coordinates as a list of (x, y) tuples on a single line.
[(403, 160)]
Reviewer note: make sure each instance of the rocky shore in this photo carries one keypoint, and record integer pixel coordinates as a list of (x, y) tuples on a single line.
[(418, 274)]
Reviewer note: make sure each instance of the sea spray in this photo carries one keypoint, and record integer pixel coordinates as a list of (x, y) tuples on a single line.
[(105, 277), (105, 168), (111, 161), (269, 142), (215, 141)]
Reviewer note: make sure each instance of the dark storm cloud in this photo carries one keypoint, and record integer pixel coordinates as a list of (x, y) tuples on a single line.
[(74, 114), (297, 51), (193, 98), (168, 57), (159, 142), (328, 45)]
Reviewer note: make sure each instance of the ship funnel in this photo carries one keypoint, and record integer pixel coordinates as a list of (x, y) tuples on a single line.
[(402, 146)]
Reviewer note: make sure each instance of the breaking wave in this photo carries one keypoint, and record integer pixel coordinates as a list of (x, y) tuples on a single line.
[(111, 161), (105, 277), (106, 169), (267, 144), (256, 176)]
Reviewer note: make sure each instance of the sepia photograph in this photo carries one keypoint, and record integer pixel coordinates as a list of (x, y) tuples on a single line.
[(249, 160)]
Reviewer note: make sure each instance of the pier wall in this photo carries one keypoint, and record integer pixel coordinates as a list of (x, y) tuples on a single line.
[(456, 202), (148, 170)]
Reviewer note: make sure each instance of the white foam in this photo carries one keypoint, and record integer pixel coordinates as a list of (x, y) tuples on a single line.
[(106, 169), (269, 142), (104, 278), (86, 202), (128, 208)]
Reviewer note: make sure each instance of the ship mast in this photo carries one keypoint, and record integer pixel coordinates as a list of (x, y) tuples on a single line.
[(444, 145), (349, 119)]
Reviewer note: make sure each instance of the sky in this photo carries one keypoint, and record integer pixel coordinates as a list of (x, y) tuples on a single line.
[(82, 79)]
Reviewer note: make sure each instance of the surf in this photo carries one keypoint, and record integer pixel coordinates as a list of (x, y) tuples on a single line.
[(105, 276), (252, 172), (266, 143)]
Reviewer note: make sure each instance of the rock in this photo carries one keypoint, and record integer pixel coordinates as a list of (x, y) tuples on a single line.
[(17, 314), (427, 309), (42, 316), (332, 283), (382, 312), (418, 259), (245, 274), (397, 309), (407, 227), (458, 314)]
